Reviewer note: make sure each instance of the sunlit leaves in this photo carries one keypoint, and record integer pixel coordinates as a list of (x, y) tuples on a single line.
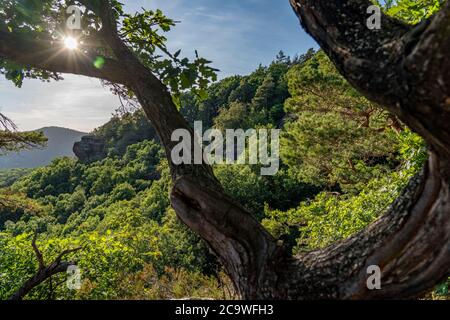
[(121, 230), (144, 32), (412, 11)]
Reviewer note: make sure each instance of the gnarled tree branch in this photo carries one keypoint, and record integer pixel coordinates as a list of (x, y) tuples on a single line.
[(52, 56), (44, 272), (402, 67), (405, 68)]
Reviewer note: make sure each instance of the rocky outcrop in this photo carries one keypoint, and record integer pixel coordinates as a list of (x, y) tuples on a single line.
[(91, 148)]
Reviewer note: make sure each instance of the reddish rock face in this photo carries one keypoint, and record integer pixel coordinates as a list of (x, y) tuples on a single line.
[(90, 149)]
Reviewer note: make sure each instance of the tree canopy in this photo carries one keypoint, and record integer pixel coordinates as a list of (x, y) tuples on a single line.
[(351, 171)]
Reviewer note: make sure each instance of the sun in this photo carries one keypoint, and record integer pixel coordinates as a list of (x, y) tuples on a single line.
[(70, 43)]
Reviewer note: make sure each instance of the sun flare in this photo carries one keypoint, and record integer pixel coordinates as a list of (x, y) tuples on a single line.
[(70, 43)]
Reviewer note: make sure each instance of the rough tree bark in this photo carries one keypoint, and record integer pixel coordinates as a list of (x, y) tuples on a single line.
[(406, 69), (402, 67)]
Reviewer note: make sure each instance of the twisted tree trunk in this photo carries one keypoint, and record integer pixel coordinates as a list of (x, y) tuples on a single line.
[(402, 67), (406, 69)]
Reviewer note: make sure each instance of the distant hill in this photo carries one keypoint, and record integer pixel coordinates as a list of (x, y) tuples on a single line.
[(60, 143)]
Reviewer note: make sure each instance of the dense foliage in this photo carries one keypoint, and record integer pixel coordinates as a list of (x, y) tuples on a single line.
[(118, 209), (344, 160)]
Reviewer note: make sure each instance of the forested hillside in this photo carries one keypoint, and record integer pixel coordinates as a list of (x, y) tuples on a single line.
[(344, 160)]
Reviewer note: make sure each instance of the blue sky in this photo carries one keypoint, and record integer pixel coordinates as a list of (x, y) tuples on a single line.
[(237, 35)]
